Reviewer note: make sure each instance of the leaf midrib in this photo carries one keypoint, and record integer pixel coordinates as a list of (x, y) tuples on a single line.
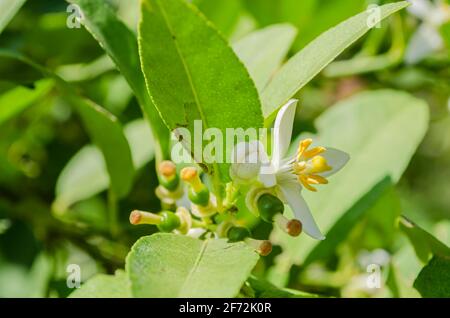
[(191, 84)]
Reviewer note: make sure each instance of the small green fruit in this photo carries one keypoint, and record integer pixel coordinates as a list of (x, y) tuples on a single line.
[(169, 221), (269, 206), (237, 233), (199, 198)]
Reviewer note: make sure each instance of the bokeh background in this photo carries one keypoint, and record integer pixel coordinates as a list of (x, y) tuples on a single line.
[(40, 139)]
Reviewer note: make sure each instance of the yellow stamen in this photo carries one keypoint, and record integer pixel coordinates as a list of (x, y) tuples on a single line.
[(302, 146), (313, 152), (316, 179), (309, 165), (319, 164), (304, 181)]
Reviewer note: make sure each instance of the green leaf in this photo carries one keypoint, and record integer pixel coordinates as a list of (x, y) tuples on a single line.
[(104, 286), (425, 245), (307, 63), (102, 126), (120, 44), (8, 9), (85, 175), (141, 142), (169, 265), (365, 63), (223, 13), (106, 132), (434, 279), (263, 51), (340, 231), (264, 289), (14, 101), (365, 126), (86, 71), (192, 73)]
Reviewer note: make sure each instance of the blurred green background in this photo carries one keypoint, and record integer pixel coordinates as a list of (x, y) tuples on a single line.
[(41, 136)]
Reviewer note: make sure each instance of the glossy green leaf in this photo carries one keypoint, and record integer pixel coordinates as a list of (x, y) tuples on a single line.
[(263, 51), (104, 286), (224, 14), (120, 44), (168, 265), (434, 279), (425, 245), (8, 9), (192, 73), (14, 101), (85, 175), (365, 126), (307, 63), (366, 61), (319, 16)]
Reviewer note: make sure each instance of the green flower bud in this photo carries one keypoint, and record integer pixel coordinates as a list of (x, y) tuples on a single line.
[(200, 198), (168, 175), (269, 206), (169, 221), (237, 233)]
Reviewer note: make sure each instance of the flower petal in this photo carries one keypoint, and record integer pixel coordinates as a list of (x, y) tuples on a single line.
[(283, 131), (267, 173), (423, 42), (336, 159), (292, 194), (420, 8), (246, 163)]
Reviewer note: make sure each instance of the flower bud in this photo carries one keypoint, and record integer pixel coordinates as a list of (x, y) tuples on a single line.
[(168, 175), (198, 193), (269, 206)]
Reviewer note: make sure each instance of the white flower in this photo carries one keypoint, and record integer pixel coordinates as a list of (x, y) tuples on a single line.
[(287, 176), (427, 38)]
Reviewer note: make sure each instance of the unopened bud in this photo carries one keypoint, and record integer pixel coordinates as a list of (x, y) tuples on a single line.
[(198, 193), (168, 175)]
